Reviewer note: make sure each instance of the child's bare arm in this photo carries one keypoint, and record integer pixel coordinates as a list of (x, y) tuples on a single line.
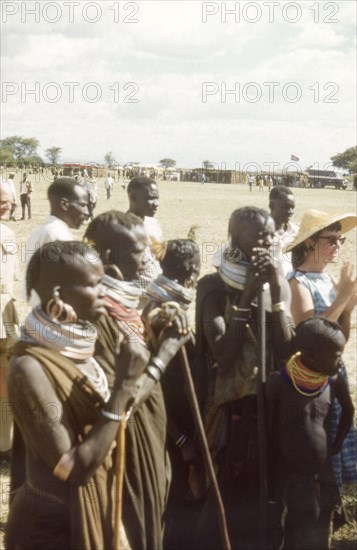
[(347, 413)]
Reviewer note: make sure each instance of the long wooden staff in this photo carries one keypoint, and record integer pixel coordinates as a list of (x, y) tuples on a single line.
[(119, 468), (263, 492), (226, 545)]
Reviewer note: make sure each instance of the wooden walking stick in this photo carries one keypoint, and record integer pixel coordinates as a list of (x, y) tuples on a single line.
[(263, 489), (120, 469), (205, 450)]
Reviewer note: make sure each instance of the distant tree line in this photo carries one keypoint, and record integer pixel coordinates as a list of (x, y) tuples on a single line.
[(22, 152)]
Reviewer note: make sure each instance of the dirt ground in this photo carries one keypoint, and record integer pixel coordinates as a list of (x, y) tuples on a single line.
[(206, 207)]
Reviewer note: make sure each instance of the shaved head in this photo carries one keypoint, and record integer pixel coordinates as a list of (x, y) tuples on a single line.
[(318, 333)]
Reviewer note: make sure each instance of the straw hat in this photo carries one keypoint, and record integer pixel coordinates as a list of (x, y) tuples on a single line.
[(316, 220)]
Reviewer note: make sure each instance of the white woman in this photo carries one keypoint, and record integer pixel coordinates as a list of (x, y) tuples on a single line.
[(314, 292)]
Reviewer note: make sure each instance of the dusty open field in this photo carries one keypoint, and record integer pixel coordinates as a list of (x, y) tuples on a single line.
[(208, 207)]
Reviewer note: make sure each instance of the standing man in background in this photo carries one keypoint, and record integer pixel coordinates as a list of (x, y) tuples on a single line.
[(26, 189), (90, 184), (68, 210), (108, 184), (143, 196), (282, 206)]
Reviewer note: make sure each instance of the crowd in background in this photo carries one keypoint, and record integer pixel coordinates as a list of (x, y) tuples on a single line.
[(105, 345)]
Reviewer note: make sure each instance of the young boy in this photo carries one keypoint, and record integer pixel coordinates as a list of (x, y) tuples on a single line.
[(299, 402)]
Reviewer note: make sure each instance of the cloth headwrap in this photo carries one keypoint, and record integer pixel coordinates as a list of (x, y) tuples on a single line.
[(164, 289), (233, 270), (121, 301), (305, 381), (73, 340)]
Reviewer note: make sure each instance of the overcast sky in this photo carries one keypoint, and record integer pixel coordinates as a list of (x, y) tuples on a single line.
[(151, 79)]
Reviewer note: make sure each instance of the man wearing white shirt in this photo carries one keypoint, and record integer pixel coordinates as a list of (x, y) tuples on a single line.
[(69, 209), (108, 184), (26, 189)]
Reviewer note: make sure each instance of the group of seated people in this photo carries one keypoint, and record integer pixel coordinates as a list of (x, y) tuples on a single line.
[(105, 452)]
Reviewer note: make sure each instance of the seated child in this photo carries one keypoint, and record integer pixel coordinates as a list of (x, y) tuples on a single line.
[(299, 402)]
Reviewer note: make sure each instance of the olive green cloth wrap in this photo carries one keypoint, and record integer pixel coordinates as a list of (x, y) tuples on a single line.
[(90, 506), (147, 467)]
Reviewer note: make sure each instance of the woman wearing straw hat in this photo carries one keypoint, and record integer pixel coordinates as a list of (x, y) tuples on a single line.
[(314, 292)]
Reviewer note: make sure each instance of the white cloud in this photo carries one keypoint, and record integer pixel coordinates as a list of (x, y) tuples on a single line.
[(168, 54)]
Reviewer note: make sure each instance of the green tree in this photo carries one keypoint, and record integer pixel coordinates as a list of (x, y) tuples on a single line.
[(22, 149), (346, 160), (109, 159), (53, 154), (167, 163), (6, 155)]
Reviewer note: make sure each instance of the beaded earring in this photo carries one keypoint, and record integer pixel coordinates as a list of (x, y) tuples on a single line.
[(57, 310)]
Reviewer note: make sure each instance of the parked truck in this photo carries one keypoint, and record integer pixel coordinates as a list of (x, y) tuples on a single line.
[(325, 178)]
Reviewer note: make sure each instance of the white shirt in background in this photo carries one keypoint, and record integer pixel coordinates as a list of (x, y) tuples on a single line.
[(53, 229)]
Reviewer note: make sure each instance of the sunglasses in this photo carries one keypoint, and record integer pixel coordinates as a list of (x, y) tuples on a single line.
[(333, 241)]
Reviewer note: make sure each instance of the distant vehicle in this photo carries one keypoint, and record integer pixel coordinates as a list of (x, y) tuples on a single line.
[(325, 178)]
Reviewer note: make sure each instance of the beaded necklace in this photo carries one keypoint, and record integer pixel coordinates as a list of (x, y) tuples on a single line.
[(73, 340), (306, 381), (164, 290), (121, 301)]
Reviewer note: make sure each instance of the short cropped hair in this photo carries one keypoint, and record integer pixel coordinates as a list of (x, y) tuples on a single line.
[(178, 257), (246, 214), (104, 232), (317, 332), (280, 192), (138, 183), (111, 223), (62, 188), (45, 263)]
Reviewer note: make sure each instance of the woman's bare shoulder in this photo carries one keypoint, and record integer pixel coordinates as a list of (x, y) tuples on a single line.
[(25, 370)]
